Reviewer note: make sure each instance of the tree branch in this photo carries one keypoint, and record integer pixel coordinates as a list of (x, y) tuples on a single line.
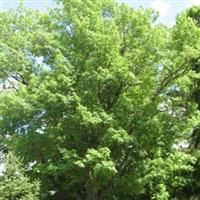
[(170, 77)]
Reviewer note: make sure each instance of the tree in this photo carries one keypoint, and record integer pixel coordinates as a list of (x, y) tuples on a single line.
[(194, 140), (14, 184), (96, 93)]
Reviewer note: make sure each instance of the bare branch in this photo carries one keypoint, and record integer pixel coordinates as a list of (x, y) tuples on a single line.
[(170, 77)]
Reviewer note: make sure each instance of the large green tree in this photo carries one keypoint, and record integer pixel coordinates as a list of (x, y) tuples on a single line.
[(95, 94)]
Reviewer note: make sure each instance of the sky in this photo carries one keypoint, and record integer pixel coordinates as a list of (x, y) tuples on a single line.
[(168, 9)]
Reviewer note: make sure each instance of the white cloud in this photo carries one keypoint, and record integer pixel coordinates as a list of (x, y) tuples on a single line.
[(194, 2), (191, 3), (161, 6)]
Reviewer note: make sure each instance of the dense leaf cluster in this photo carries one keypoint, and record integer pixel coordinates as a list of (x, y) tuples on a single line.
[(100, 102)]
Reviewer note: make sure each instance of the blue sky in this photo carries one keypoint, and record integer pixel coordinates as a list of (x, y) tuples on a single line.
[(168, 9)]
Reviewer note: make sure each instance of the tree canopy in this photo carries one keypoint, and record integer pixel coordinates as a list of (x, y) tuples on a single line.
[(100, 102)]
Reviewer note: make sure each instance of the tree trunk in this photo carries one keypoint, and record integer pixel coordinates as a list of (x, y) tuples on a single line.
[(91, 192)]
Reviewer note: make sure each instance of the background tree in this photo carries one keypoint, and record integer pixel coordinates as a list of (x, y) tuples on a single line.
[(14, 184)]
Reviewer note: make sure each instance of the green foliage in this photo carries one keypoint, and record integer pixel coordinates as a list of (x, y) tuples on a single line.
[(96, 94), (14, 184), (167, 175)]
